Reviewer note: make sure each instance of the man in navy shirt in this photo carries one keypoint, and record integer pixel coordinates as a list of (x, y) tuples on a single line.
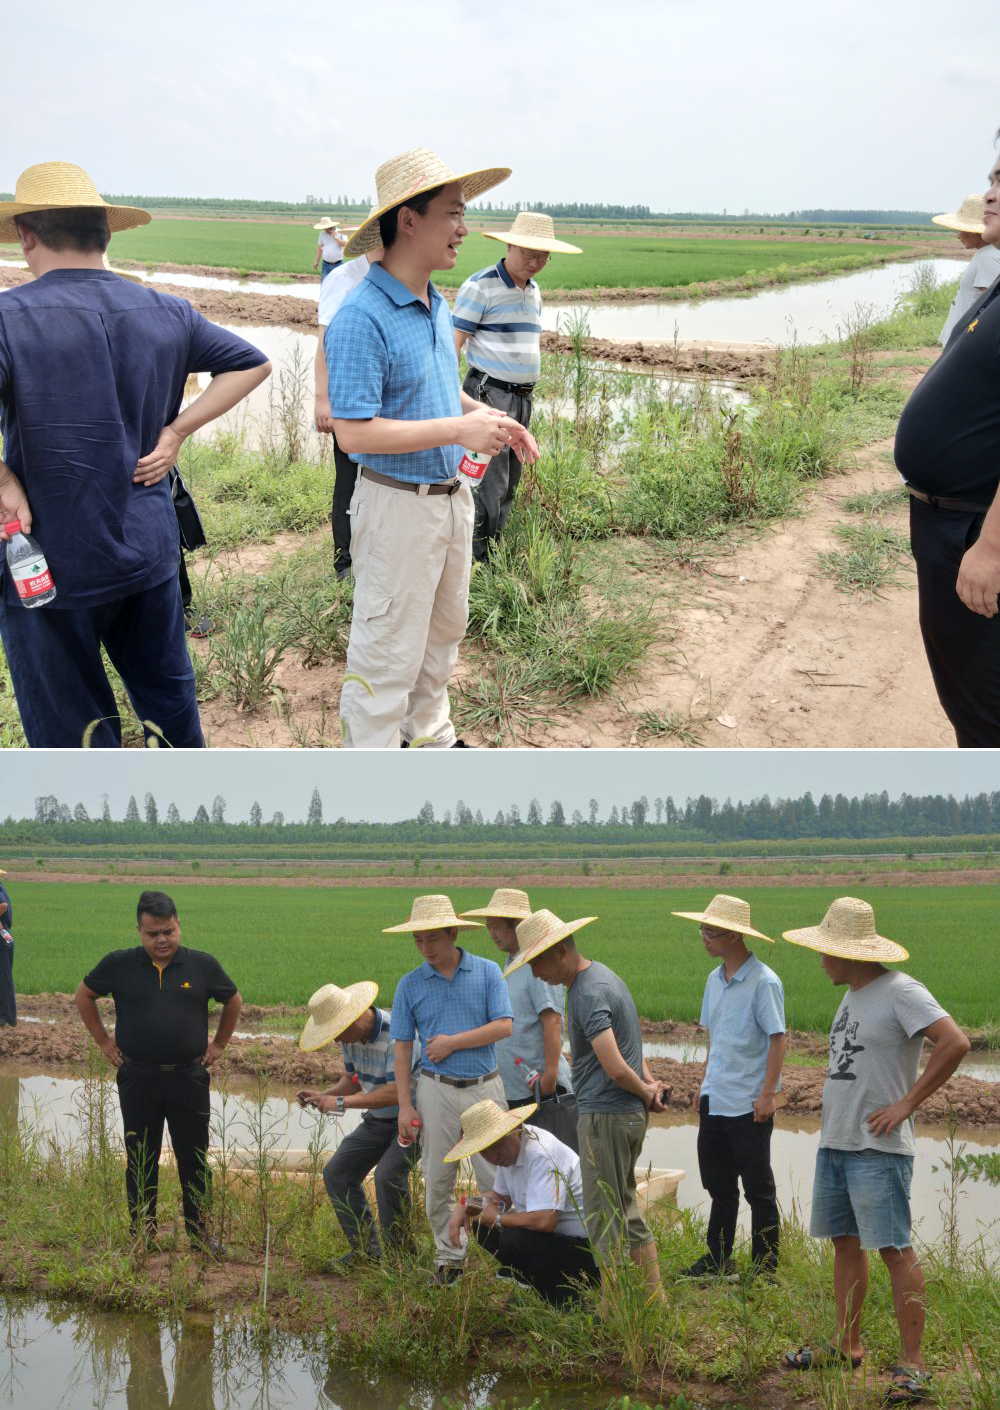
[(92, 373)]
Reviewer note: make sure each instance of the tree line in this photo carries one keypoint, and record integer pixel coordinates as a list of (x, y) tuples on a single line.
[(663, 818)]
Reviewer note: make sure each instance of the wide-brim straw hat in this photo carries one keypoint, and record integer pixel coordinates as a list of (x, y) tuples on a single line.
[(533, 231), (52, 186), (401, 178), (848, 931), (332, 1010), (432, 913), (326, 224), (728, 913), (968, 218), (506, 903), (539, 933), (484, 1124)]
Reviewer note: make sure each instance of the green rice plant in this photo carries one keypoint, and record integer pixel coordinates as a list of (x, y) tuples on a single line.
[(870, 561)]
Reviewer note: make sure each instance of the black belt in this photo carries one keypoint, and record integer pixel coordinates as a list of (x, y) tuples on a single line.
[(520, 389), (164, 1066), (458, 1081), (438, 486), (938, 501)]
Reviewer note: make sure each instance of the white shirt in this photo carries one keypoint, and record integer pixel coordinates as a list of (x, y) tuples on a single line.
[(332, 248), (982, 270), (337, 285), (546, 1175)]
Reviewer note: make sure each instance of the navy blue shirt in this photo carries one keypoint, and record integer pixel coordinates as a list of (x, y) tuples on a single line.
[(7, 919), (92, 367)]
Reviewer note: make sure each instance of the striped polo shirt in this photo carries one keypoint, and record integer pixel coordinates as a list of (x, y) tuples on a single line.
[(504, 324), (372, 1062), (428, 1003)]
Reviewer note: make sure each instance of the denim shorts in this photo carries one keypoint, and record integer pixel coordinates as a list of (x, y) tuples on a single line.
[(865, 1194)]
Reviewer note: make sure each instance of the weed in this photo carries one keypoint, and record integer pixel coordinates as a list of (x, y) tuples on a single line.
[(875, 501), (870, 561), (243, 658), (671, 724), (503, 704)]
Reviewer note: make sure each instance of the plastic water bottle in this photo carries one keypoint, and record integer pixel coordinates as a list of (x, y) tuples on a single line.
[(530, 1074), (415, 1127), (5, 936), (472, 466), (28, 567)]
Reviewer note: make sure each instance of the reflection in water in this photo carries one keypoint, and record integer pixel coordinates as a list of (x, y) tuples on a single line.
[(146, 1387)]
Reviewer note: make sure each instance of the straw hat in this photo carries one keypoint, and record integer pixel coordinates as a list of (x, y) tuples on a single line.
[(848, 931), (332, 1010), (728, 913), (432, 913), (533, 231), (539, 933), (483, 1125), (405, 176), (968, 217), (326, 224), (505, 904), (52, 186)]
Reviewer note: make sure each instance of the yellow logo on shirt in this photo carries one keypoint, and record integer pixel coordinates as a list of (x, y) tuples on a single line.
[(972, 326), (186, 985)]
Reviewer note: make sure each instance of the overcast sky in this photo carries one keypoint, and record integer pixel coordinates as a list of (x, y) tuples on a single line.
[(677, 104), (380, 787)]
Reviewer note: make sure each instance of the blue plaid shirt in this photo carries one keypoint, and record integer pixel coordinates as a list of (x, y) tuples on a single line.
[(389, 355), (427, 1003), (371, 1062)]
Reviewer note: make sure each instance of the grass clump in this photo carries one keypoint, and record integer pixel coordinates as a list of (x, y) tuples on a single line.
[(869, 562)]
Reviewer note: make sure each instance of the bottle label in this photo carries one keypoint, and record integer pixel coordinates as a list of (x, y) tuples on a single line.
[(473, 464), (32, 578)]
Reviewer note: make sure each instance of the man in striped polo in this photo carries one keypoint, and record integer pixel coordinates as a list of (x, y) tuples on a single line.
[(498, 321)]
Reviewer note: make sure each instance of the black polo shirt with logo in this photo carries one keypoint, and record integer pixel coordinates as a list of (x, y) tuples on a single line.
[(948, 437), (161, 1015)]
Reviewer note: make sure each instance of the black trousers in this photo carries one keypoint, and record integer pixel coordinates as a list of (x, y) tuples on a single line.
[(149, 1098), (372, 1145), (963, 649), (550, 1263), (495, 492), (345, 477), (8, 998), (733, 1149)]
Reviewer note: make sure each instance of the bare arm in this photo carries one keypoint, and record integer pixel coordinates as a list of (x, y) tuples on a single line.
[(766, 1102), (609, 1056), (402, 1062), (224, 1029), (222, 393), (86, 1003), (355, 1099), (442, 1045), (324, 422), (13, 501), (479, 429), (950, 1047), (551, 1022), (461, 338)]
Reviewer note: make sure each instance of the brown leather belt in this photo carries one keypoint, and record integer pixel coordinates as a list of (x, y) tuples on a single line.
[(458, 1081), (938, 501), (438, 487)]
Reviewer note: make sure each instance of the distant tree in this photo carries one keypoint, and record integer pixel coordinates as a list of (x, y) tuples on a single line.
[(47, 808), (218, 809), (557, 817), (640, 811), (105, 808), (132, 811), (463, 814), (534, 813), (65, 813), (278, 820), (446, 820), (315, 815), (592, 810), (80, 814), (499, 820), (201, 816), (658, 807), (577, 818), (173, 816), (255, 814), (613, 816), (479, 817), (152, 814), (426, 814), (514, 815)]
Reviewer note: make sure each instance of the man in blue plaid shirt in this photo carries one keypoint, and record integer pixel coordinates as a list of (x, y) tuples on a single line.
[(398, 412)]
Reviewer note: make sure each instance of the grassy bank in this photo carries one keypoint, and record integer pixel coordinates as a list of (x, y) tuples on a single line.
[(63, 1230), (64, 929)]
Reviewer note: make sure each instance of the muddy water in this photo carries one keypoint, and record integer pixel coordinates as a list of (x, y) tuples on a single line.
[(53, 1107), (53, 1359), (984, 1066)]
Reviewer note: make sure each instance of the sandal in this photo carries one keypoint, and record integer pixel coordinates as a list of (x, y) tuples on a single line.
[(805, 1359), (908, 1386)]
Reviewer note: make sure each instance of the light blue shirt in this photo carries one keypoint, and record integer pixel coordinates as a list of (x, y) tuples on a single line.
[(741, 1014), (390, 355), (427, 1003), (372, 1063), (504, 324), (529, 998)]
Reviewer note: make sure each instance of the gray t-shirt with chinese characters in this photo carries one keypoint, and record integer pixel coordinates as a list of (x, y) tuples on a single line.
[(875, 1047), (598, 1000)]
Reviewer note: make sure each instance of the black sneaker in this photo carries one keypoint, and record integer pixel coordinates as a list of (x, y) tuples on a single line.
[(706, 1267)]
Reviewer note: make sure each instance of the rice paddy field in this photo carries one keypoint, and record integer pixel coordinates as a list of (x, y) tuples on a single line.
[(625, 261), (281, 943)]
